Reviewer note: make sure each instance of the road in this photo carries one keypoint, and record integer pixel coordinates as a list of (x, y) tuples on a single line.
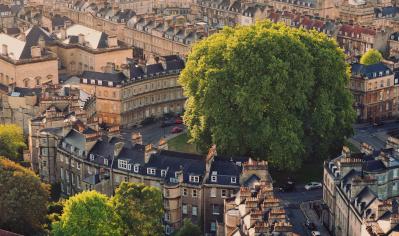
[(365, 132), (151, 134), (292, 201)]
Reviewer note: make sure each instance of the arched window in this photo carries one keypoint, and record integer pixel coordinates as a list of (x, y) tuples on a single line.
[(167, 229)]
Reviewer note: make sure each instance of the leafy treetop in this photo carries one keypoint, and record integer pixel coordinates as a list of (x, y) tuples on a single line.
[(371, 57)]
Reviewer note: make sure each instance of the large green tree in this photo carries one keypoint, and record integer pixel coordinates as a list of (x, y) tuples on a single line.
[(11, 140), (371, 57), (270, 92), (139, 209), (88, 213), (23, 199)]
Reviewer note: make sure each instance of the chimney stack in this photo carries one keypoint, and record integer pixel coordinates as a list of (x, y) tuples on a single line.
[(168, 22), (63, 33), (177, 28), (42, 43), (35, 51), (115, 9), (67, 24), (81, 39), (110, 67), (112, 41), (23, 36), (5, 50)]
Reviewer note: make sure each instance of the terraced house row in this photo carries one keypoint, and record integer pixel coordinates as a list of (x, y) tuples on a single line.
[(193, 186)]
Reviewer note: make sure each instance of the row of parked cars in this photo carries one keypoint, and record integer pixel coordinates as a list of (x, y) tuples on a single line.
[(176, 129), (310, 225), (292, 187)]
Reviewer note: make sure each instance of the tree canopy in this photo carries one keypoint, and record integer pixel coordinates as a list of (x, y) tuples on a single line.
[(268, 91), (139, 209), (371, 57), (11, 140), (188, 229), (19, 188), (87, 213)]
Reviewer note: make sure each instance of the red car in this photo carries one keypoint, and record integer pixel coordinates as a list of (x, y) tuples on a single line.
[(179, 121), (177, 130)]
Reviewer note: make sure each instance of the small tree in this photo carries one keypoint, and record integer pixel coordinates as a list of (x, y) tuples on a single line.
[(139, 209), (23, 199), (189, 229), (11, 140), (87, 213), (371, 57)]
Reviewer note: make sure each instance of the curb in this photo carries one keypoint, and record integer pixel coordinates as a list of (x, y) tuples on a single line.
[(306, 216)]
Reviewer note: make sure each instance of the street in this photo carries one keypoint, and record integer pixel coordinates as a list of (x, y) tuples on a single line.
[(364, 133), (292, 201)]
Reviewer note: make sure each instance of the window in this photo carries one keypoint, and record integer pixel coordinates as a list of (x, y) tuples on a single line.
[(44, 152), (380, 178), (67, 160), (62, 173), (78, 165), (213, 192), (125, 179), (194, 179), (114, 107), (105, 161), (387, 106), (382, 83), (72, 163), (233, 180), (194, 193), (167, 216), (150, 171), (223, 193), (184, 209), (395, 186), (381, 107), (167, 204), (68, 190), (67, 175), (194, 211), (381, 95), (163, 173), (136, 169), (216, 209), (73, 178), (388, 94), (78, 181), (395, 173), (184, 192), (44, 163), (213, 226), (122, 164), (213, 178), (91, 157), (89, 169), (117, 179), (113, 94), (388, 82)]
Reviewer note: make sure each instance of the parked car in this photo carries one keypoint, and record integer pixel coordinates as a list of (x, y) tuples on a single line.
[(166, 124), (288, 187), (310, 225), (177, 130), (179, 121), (380, 123), (316, 233), (313, 185)]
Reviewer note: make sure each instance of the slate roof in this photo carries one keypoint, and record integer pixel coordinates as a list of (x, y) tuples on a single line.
[(366, 197), (92, 179), (60, 22), (12, 31), (370, 70), (189, 167), (225, 171), (328, 26), (126, 144), (35, 33), (76, 139), (171, 58), (4, 8), (251, 181), (250, 10), (377, 165), (394, 36), (96, 76), (26, 92), (390, 11)]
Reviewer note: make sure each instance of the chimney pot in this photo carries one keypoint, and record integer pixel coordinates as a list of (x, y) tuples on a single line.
[(5, 50)]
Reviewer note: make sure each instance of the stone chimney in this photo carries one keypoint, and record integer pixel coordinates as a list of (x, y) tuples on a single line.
[(255, 216), (394, 220), (112, 41), (117, 148), (158, 21), (42, 43), (187, 31), (199, 33), (181, 20), (115, 9), (143, 66), (137, 138), (81, 38), (110, 67), (148, 152), (101, 5), (365, 148), (67, 24), (63, 33), (163, 62), (5, 50), (211, 155), (126, 70), (23, 36), (259, 168), (346, 152), (168, 22), (177, 28), (147, 19), (283, 227), (347, 164), (163, 144), (35, 51), (359, 183)]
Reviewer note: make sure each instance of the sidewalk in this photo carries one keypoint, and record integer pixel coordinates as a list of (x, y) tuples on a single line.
[(311, 215)]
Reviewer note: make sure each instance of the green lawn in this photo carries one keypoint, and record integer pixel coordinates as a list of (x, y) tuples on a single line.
[(352, 147), (180, 144), (307, 173)]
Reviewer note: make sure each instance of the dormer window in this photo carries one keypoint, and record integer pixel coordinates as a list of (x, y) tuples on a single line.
[(72, 148), (64, 144), (194, 179), (346, 33), (110, 84), (150, 171), (81, 152), (233, 180), (129, 167), (122, 164), (392, 37), (176, 174), (374, 75), (238, 163), (100, 82), (380, 74), (136, 169), (353, 35), (91, 157), (163, 173), (213, 178), (105, 161), (387, 72), (85, 81)]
